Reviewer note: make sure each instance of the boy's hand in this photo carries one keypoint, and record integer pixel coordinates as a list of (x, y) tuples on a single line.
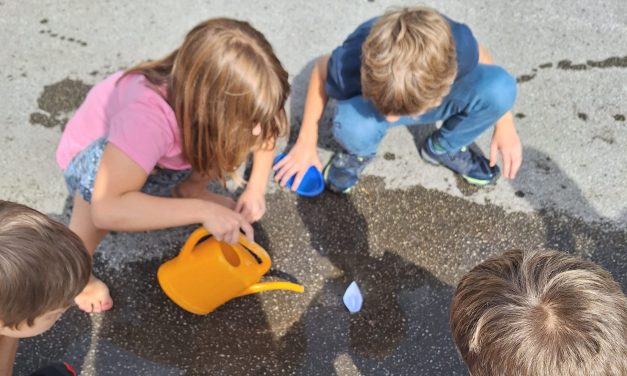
[(505, 139), (225, 224), (296, 162), (251, 204)]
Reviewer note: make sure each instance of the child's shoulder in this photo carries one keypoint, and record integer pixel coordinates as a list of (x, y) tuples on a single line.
[(121, 92), (134, 84)]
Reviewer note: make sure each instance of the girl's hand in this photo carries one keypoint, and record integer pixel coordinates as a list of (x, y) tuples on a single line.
[(251, 204), (505, 139), (225, 224), (297, 162)]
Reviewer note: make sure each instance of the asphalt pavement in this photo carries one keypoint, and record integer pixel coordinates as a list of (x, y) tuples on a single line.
[(406, 234)]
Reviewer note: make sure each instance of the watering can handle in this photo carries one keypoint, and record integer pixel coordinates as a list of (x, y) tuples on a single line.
[(257, 251), (193, 239), (252, 247)]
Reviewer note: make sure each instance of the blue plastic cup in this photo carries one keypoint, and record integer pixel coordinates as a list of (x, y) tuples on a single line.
[(312, 183)]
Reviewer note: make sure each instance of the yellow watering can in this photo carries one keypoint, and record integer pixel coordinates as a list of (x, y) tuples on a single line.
[(204, 276)]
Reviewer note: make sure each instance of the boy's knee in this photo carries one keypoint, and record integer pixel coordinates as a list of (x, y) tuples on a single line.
[(497, 89), (356, 138), (357, 129)]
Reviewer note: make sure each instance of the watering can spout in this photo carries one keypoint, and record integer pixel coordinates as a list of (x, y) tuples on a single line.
[(268, 286)]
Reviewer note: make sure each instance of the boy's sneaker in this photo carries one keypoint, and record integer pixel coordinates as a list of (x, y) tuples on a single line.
[(470, 165), (343, 170)]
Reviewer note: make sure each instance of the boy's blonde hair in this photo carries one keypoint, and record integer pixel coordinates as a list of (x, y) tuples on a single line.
[(43, 265), (540, 313), (408, 61), (222, 81)]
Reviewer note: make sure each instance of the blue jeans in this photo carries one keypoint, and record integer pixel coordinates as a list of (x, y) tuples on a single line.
[(473, 105)]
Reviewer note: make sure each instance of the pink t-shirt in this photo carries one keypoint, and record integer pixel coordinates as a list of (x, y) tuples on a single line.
[(133, 117)]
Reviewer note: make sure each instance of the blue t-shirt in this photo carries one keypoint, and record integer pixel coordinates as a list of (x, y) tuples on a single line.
[(343, 74)]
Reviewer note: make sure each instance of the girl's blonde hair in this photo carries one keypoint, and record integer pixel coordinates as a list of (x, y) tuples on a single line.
[(223, 81)]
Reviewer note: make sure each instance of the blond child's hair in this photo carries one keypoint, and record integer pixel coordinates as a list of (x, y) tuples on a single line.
[(540, 313), (222, 81), (408, 61), (43, 265)]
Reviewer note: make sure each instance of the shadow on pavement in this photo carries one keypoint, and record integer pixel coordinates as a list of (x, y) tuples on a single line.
[(388, 334), (405, 248), (146, 333), (543, 182)]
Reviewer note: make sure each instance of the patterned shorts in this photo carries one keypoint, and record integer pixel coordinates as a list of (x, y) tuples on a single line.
[(81, 172)]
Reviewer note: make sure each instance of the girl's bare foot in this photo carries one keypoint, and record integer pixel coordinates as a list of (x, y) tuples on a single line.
[(188, 189), (94, 297)]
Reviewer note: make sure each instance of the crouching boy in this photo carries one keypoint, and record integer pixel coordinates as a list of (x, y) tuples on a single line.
[(541, 313), (411, 66), (43, 267)]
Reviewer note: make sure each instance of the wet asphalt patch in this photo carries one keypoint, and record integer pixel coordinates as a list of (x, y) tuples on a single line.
[(405, 248), (57, 101)]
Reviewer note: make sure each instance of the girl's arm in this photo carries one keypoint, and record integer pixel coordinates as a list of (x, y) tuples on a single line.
[(305, 153), (117, 203), (8, 349), (262, 165), (252, 203)]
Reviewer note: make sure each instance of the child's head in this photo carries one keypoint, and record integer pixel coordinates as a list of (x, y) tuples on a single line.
[(223, 82), (43, 267), (408, 61), (540, 313)]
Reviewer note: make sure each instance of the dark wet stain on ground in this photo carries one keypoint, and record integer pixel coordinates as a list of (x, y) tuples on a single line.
[(57, 101), (543, 165), (464, 187), (619, 117), (583, 116), (607, 138), (567, 64), (520, 115), (389, 156), (611, 62), (405, 248), (62, 37), (525, 77), (519, 194)]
